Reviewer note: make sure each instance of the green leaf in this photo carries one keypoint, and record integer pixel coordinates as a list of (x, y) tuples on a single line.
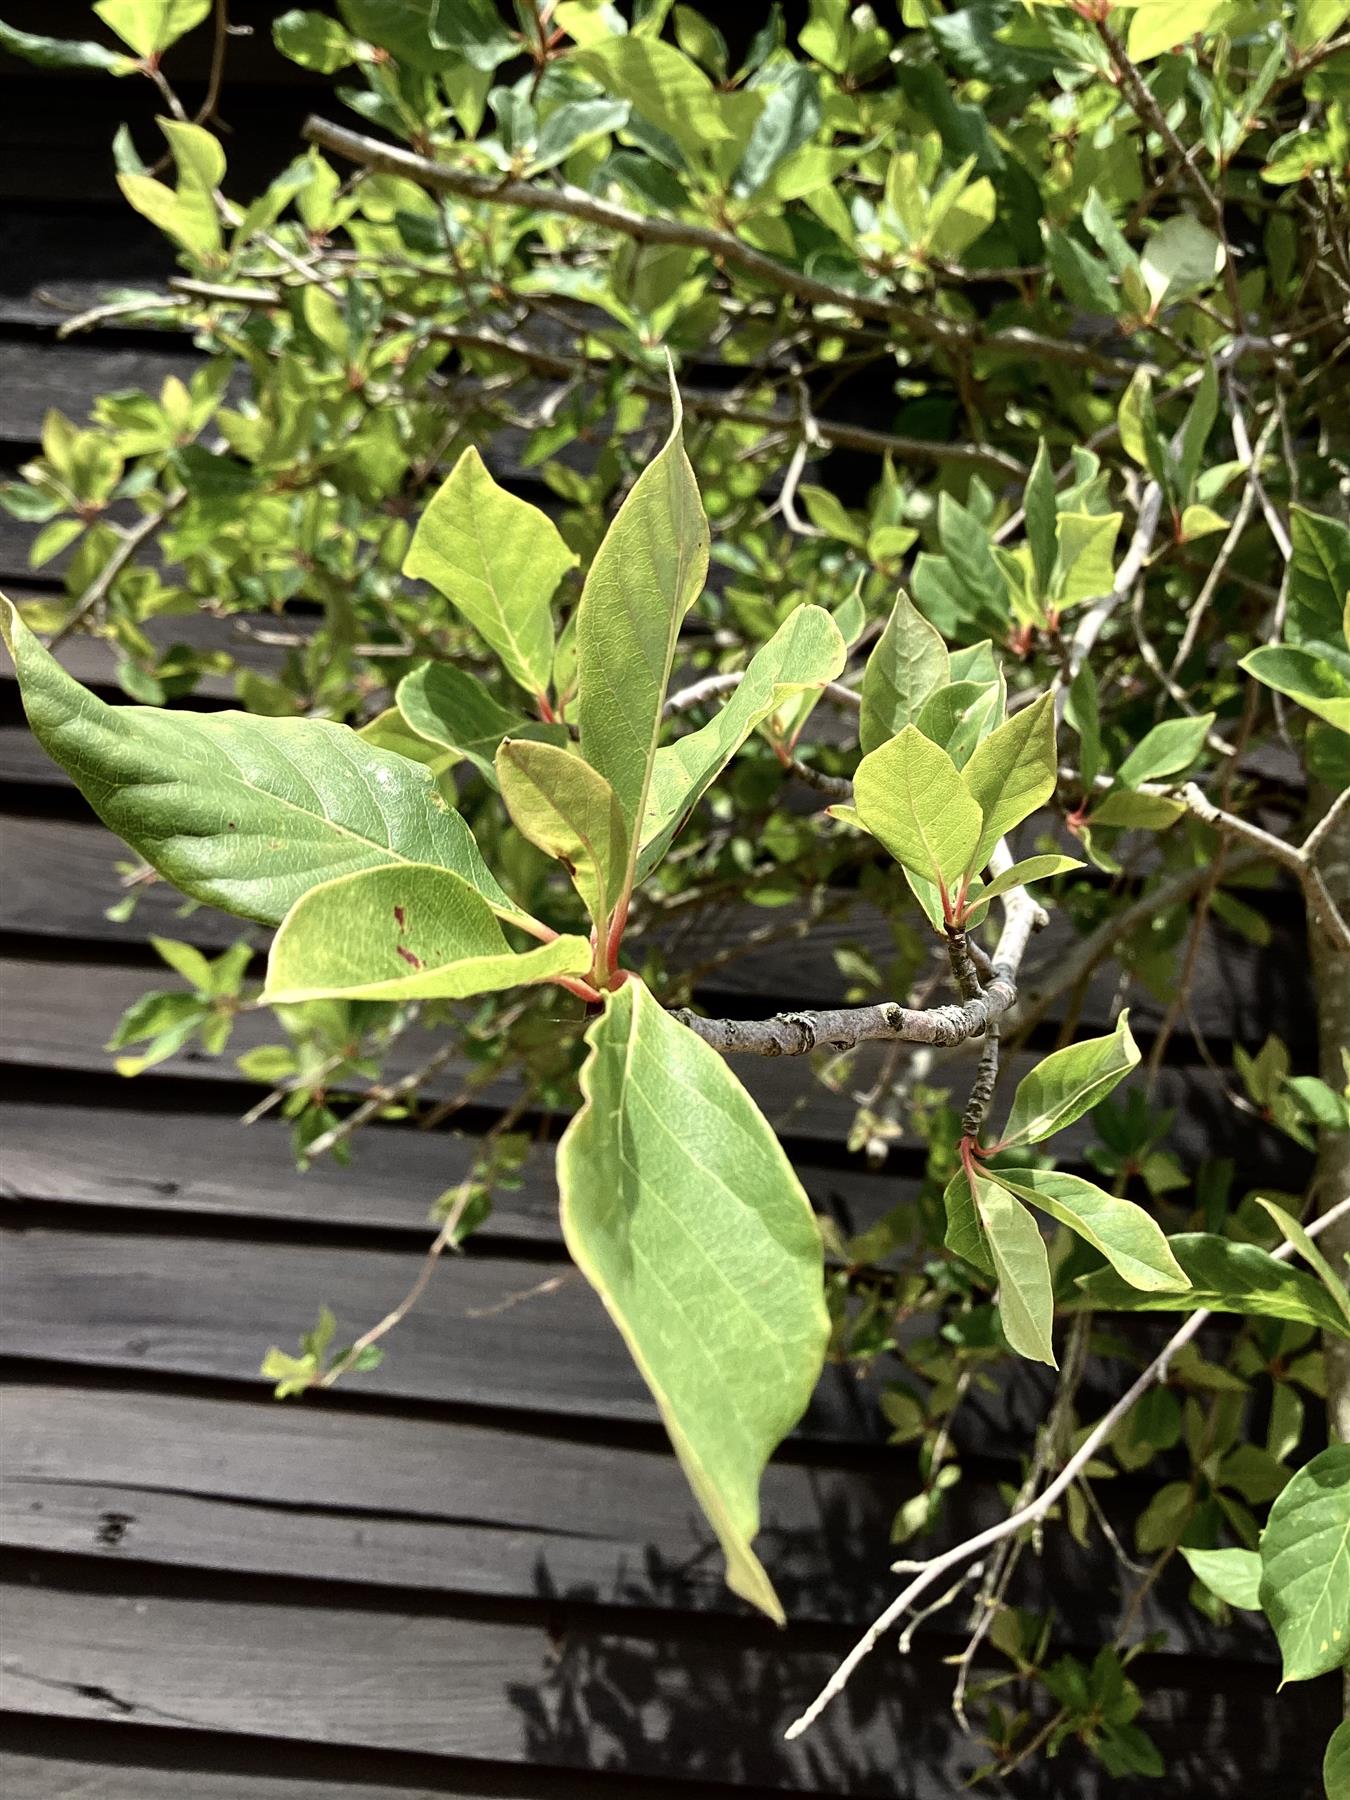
[(683, 1213), (1031, 868), (965, 1236), (188, 212), (1224, 1277), (1182, 256), (1128, 811), (1038, 503), (62, 53), (666, 88), (498, 559), (150, 26), (572, 813), (184, 960), (446, 705), (1068, 1083), (646, 575), (1234, 1575), (1159, 25), (1318, 684), (804, 653), (1305, 1566), (955, 716), (791, 116), (1011, 773), (1085, 562), (1127, 1237), (1165, 750), (571, 125), (911, 797), (313, 41), (1319, 576), (909, 661), (1336, 1763), (1294, 1233), (1204, 409), (829, 514), (245, 813), (405, 933), (473, 30), (1083, 715), (1026, 1304), (1200, 521)]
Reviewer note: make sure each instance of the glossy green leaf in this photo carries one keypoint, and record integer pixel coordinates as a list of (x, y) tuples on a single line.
[(1031, 868), (911, 797), (1295, 1234), (62, 53), (1026, 1305), (667, 89), (1131, 1241), (684, 1214), (804, 653), (646, 575), (1305, 1566), (499, 560), (572, 813), (1234, 1575), (404, 933), (1306, 674), (313, 41), (1319, 576), (1011, 773), (150, 26), (245, 813), (1224, 1277), (1068, 1083), (909, 661), (1165, 750), (1336, 1763), (446, 705)]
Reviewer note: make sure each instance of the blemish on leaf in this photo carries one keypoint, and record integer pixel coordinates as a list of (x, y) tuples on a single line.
[(414, 962), (400, 917)]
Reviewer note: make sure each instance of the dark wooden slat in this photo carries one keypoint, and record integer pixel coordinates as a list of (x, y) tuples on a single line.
[(36, 377), (53, 266), (35, 1776), (488, 1333), (444, 1508)]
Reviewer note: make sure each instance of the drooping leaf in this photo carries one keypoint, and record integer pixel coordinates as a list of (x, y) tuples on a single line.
[(1311, 674), (804, 653), (646, 575), (1011, 773), (965, 1236), (187, 212), (1026, 1304), (62, 53), (1032, 868), (1131, 1241), (1068, 1083), (911, 797), (448, 706), (1234, 1575), (1224, 1277), (1295, 1234), (499, 560), (244, 812), (572, 813), (682, 1211), (909, 661), (404, 933), (1165, 750), (1305, 1566)]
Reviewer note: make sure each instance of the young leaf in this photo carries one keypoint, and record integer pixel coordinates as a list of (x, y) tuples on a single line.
[(1127, 811), (1085, 556), (572, 813), (1032, 868), (1234, 1575), (1224, 1277), (1305, 1566), (446, 705), (412, 933), (910, 796), (1068, 1083), (1294, 1233), (646, 575), (1127, 1237), (246, 813), (965, 1236), (954, 716), (803, 654), (1038, 503), (1306, 674), (1025, 1300), (498, 559), (150, 26), (1011, 773), (910, 660), (1165, 750), (683, 1213)]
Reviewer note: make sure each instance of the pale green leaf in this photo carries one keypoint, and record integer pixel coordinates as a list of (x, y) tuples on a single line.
[(188, 212), (1159, 25), (1201, 521), (244, 812), (499, 560), (1234, 1575), (965, 1236), (911, 797), (1319, 576), (908, 662), (1318, 684), (572, 813), (1026, 1306), (1085, 563), (62, 53), (1127, 811), (646, 575), (1294, 1234), (1038, 503), (829, 514), (446, 705), (1224, 1277), (804, 653), (404, 933), (1068, 1083), (666, 88), (1336, 1763), (684, 1214), (1165, 750), (1131, 1241), (1181, 257), (150, 26), (1305, 1566), (957, 715), (313, 41), (1011, 773), (1031, 868)]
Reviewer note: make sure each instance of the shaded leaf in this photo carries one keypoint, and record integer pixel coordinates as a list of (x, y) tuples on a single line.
[(1305, 1566), (1225, 1277)]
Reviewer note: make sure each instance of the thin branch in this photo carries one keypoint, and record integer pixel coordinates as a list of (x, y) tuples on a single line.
[(131, 542), (1093, 622), (1250, 493), (712, 687), (933, 1570)]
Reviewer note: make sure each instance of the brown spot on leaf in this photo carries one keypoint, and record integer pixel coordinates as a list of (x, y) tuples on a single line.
[(413, 962), (400, 917)]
